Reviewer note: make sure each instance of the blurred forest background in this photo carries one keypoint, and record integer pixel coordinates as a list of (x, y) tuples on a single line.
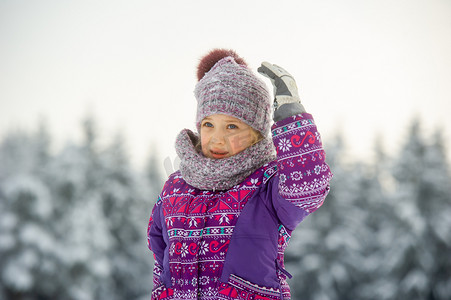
[(73, 222)]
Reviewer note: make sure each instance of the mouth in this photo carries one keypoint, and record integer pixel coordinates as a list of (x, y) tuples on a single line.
[(218, 154)]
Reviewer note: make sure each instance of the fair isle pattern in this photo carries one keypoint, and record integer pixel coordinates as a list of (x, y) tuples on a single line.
[(156, 274), (200, 225), (304, 175), (238, 288), (162, 293), (284, 239)]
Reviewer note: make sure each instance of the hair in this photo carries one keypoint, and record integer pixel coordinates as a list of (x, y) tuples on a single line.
[(258, 136), (198, 145)]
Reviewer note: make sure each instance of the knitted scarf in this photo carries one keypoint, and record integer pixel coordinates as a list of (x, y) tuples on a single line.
[(219, 174)]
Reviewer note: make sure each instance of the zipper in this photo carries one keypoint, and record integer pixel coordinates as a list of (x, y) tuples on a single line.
[(285, 272)]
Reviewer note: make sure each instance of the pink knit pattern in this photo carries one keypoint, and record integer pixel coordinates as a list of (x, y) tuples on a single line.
[(233, 89)]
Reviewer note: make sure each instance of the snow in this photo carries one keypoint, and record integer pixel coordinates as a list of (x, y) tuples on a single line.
[(7, 224), (17, 273), (35, 236), (71, 222), (73, 225), (26, 188)]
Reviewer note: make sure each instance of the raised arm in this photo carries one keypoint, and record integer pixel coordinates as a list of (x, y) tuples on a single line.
[(303, 174)]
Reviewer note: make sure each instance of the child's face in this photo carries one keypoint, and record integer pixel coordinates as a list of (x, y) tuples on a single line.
[(223, 136)]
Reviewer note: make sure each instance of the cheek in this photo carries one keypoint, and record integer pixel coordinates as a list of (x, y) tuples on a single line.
[(204, 139), (241, 141)]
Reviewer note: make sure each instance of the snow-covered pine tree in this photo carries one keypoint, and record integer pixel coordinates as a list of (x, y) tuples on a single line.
[(125, 199), (416, 247), (379, 222), (27, 256), (72, 225), (329, 247), (80, 224), (437, 188)]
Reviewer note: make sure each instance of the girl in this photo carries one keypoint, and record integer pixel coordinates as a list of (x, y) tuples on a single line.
[(222, 222)]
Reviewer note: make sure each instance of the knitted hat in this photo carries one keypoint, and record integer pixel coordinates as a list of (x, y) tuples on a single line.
[(227, 86)]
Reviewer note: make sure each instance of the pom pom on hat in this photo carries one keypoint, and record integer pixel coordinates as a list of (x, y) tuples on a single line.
[(215, 55)]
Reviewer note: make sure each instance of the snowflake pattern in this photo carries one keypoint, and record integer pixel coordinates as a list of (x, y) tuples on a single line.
[(203, 248), (172, 249), (198, 243), (184, 250), (297, 175), (282, 178), (194, 281), (204, 280), (284, 145), (317, 169)]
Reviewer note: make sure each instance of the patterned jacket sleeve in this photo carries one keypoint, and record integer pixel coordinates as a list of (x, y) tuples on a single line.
[(303, 174), (155, 242)]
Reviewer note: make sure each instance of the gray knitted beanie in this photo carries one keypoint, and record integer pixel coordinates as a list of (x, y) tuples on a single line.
[(227, 86)]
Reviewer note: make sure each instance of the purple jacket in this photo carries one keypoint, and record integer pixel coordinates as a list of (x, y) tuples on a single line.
[(230, 244)]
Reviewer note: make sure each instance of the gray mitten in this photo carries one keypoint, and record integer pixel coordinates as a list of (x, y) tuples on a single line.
[(285, 91)]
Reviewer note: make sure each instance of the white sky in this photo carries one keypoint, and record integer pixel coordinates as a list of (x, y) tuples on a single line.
[(363, 67)]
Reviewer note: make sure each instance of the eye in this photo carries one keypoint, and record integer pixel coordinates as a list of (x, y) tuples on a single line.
[(232, 126), (207, 124)]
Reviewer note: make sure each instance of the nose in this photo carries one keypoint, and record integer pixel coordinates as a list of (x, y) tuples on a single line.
[(218, 137)]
